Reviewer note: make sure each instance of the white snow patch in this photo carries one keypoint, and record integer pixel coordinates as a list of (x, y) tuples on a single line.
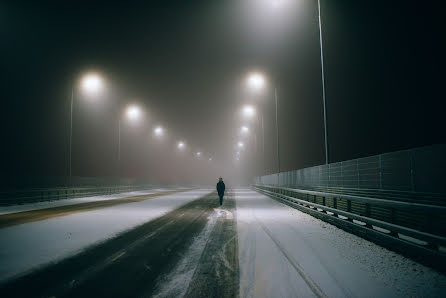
[(176, 283), (65, 202), (341, 264), (28, 246)]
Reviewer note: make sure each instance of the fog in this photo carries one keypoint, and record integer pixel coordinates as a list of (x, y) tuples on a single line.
[(185, 65)]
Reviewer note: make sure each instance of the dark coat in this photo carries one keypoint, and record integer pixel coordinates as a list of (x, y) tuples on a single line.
[(221, 188)]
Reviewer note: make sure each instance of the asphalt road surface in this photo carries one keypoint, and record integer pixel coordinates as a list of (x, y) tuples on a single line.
[(138, 262), (252, 246), (12, 219)]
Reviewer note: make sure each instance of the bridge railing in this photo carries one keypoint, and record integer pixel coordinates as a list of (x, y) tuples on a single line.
[(396, 199), (416, 170), (416, 230), (23, 190), (59, 193)]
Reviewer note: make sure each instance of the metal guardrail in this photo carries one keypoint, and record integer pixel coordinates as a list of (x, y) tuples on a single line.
[(416, 170), (386, 222), (58, 193)]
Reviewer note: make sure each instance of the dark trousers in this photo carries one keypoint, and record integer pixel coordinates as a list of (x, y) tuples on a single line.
[(220, 195)]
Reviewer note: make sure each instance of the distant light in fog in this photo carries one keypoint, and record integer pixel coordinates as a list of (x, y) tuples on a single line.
[(180, 145), (277, 3), (159, 131), (210, 158), (133, 112), (91, 83), (198, 154), (240, 144), (248, 111), (256, 81), (244, 129)]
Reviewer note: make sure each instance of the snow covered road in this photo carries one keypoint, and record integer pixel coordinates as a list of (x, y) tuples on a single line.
[(27, 246), (286, 253), (185, 245)]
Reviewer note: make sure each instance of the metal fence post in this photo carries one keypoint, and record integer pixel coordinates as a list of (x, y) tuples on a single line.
[(328, 181), (380, 172), (411, 167)]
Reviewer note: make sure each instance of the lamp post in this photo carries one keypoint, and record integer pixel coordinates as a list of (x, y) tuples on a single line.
[(256, 82), (132, 113), (158, 131), (327, 156), (91, 84)]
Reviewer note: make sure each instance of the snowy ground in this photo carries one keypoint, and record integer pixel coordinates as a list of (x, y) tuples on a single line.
[(28, 246), (282, 252), (57, 203), (286, 253)]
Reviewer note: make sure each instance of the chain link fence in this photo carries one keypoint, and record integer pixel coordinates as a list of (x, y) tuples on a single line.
[(417, 170)]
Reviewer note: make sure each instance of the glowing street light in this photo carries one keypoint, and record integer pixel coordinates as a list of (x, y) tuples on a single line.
[(256, 81), (92, 83), (180, 145), (133, 112), (240, 144), (244, 129), (248, 111), (277, 3), (198, 154), (158, 131)]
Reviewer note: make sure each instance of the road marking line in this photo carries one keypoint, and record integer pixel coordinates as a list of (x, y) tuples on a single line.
[(118, 256)]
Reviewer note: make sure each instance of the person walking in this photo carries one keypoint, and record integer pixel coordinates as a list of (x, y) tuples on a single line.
[(221, 189)]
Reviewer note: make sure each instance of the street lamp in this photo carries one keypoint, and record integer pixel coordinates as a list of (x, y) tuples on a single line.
[(278, 3), (256, 81), (132, 113), (158, 131), (244, 129), (248, 111), (91, 84), (198, 154), (327, 156), (180, 145), (240, 144)]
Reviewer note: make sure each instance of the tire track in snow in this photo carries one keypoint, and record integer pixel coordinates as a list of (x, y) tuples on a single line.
[(310, 282), (346, 292)]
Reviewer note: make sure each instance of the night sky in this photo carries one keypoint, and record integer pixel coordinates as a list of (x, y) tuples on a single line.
[(186, 62)]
